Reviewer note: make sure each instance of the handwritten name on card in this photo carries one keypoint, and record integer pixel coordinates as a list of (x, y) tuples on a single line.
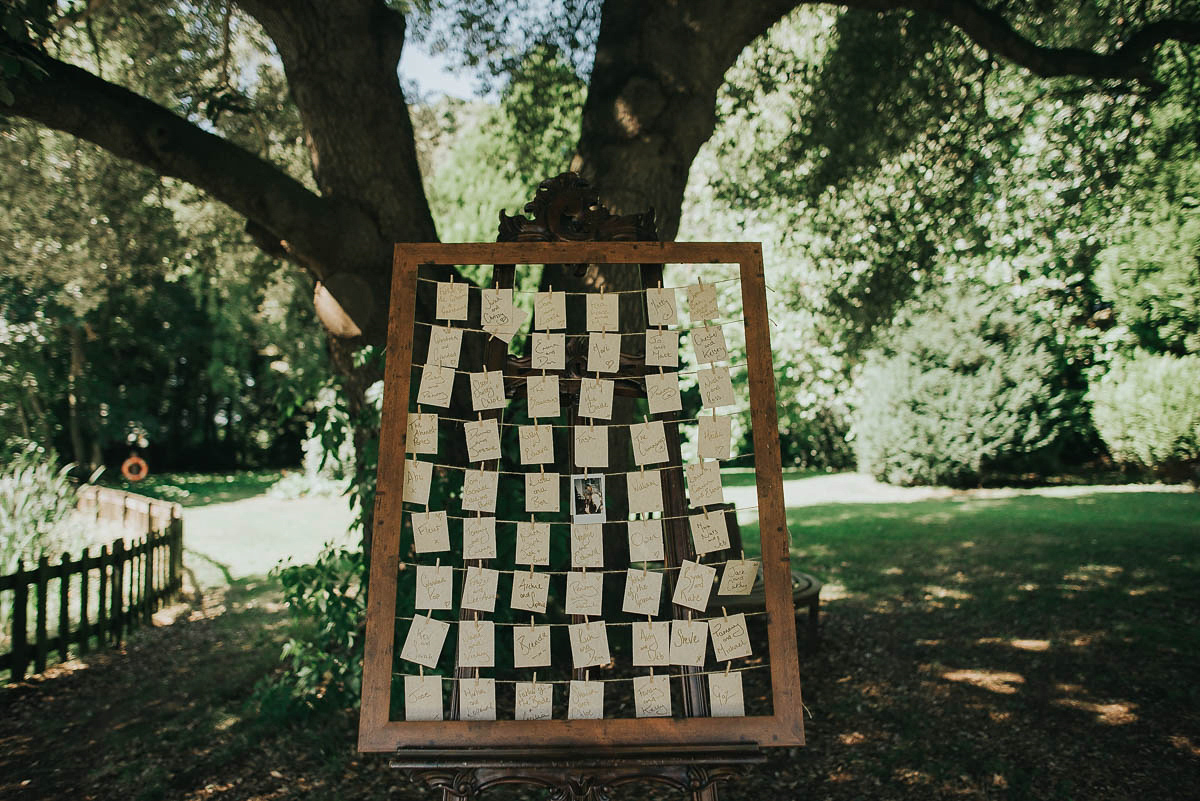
[(730, 637), (435, 587), (725, 695), (643, 592), (508, 330), (541, 492), (483, 440), (476, 643), (534, 701), (418, 478), (487, 390), (591, 446), (542, 396), (708, 342), (689, 639), (445, 344), (662, 348), (662, 392), (537, 444), (714, 437), (423, 696), (422, 433), (431, 533), (437, 385), (550, 311), (496, 308), (709, 532), (531, 646), (477, 699), (479, 589), (651, 644), (587, 545), (479, 538), (645, 541), (589, 644), (451, 300), (702, 302), (586, 700), (602, 313), (661, 308), (480, 488), (584, 593), (645, 492), (604, 353), (739, 576), (424, 642), (649, 442), (652, 696), (716, 388), (533, 544), (549, 351), (694, 585), (530, 591), (596, 397), (704, 483)]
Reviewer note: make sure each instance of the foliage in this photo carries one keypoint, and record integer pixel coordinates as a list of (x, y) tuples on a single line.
[(36, 499)]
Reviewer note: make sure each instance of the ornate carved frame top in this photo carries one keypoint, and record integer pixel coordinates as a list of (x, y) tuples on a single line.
[(567, 209)]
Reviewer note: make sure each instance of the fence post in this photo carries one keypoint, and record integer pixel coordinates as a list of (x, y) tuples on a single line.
[(151, 607), (64, 607), (176, 552), (118, 591), (20, 641), (102, 590), (85, 628), (40, 636)]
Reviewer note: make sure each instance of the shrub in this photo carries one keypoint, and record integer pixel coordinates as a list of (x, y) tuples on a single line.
[(36, 499), (1147, 410)]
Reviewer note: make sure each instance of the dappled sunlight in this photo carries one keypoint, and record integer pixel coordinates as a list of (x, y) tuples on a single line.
[(1184, 744), (1020, 645), (995, 681), (933, 591), (1118, 713)]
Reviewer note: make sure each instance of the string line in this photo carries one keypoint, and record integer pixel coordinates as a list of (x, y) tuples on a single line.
[(577, 471), (532, 423), (607, 623), (473, 288), (568, 523), (606, 376), (602, 570), (641, 333), (742, 669)]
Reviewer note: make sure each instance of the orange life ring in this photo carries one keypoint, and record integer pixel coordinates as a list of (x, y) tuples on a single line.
[(134, 468)]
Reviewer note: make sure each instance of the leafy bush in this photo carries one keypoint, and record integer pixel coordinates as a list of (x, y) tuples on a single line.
[(966, 388), (1147, 410), (36, 499)]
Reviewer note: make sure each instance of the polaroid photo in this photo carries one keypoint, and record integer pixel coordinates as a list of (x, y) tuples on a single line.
[(588, 503)]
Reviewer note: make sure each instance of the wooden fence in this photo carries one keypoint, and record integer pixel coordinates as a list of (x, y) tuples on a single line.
[(115, 590)]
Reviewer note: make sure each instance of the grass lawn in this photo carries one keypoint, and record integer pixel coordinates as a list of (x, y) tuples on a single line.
[(200, 489)]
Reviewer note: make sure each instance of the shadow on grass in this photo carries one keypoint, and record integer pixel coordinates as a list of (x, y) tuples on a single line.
[(202, 489)]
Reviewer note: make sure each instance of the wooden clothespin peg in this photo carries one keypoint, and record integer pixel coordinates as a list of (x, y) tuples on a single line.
[(422, 669)]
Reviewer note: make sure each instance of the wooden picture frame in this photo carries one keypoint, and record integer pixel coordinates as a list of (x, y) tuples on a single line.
[(784, 727)]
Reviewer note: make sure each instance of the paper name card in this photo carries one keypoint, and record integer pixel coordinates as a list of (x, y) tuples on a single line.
[(716, 388), (549, 351), (702, 302), (536, 443), (479, 538), (541, 395), (643, 592), (725, 695), (487, 390), (437, 384), (704, 483), (435, 587), (662, 348), (649, 442), (452, 300), (587, 545), (480, 488), (645, 541), (644, 490), (585, 592), (423, 695), (709, 532), (479, 589), (476, 643), (661, 308), (531, 646), (652, 696), (586, 700), (602, 312), (424, 642), (533, 543), (591, 446), (477, 699), (422, 433), (662, 392), (418, 478), (445, 345), (496, 308), (541, 492), (483, 440), (550, 311), (651, 643), (689, 639), (508, 330), (596, 397), (589, 644), (694, 585), (708, 343), (730, 638), (530, 591), (713, 440), (431, 532), (534, 701), (739, 576), (604, 353)]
